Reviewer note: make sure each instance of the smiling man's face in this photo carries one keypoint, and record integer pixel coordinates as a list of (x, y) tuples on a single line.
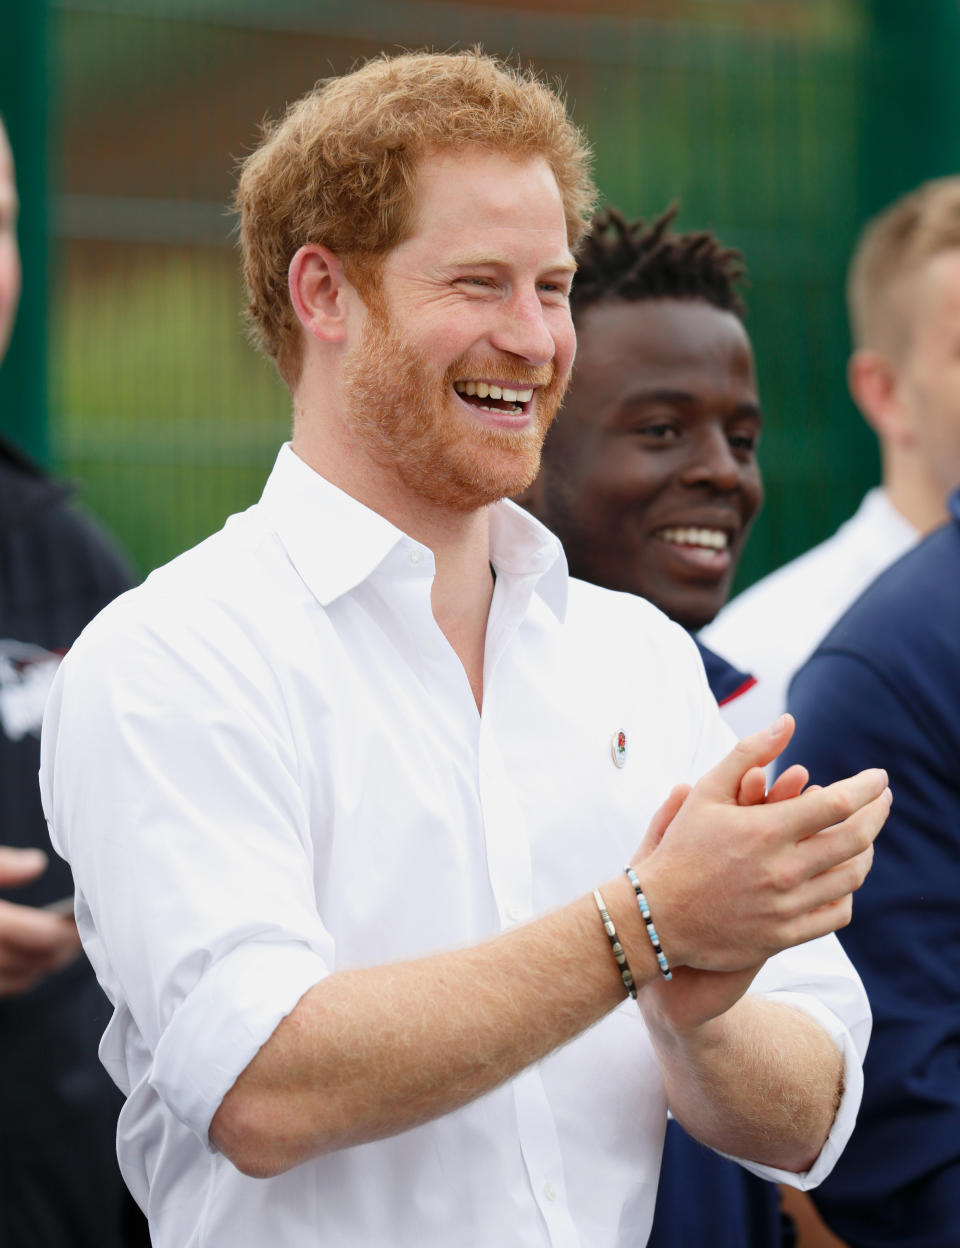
[(650, 476), (468, 344)]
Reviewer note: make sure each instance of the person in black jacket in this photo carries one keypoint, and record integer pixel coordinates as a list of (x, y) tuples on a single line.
[(60, 1186)]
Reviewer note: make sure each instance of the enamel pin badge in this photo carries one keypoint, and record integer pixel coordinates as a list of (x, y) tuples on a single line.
[(618, 748)]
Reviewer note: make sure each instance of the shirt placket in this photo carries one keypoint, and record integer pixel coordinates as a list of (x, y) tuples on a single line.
[(511, 881)]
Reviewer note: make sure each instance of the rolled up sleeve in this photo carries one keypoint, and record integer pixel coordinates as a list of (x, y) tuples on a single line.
[(172, 789), (217, 1030), (819, 979)]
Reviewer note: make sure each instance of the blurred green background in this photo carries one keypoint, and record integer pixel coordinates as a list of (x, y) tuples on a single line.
[(781, 124)]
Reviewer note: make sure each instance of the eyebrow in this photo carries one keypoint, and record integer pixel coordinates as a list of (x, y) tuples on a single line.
[(472, 258), (683, 398)]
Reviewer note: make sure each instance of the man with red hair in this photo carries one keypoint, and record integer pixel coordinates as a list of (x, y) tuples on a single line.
[(350, 851)]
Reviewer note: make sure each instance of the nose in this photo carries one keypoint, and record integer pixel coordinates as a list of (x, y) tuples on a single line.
[(713, 462), (522, 329)]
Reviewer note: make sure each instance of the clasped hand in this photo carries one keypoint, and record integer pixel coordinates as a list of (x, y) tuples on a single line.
[(736, 874), (33, 943)]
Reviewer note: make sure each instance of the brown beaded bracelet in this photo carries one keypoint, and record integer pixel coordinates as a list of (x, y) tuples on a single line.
[(619, 956)]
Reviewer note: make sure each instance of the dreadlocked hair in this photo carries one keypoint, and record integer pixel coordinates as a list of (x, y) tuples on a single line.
[(620, 259)]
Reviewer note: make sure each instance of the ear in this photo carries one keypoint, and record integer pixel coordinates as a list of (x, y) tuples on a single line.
[(875, 388), (320, 292)]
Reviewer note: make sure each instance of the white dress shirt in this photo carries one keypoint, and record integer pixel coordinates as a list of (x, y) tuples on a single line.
[(772, 628), (265, 764)]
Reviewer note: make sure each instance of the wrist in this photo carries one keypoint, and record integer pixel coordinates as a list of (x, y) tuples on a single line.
[(692, 1035), (654, 877), (646, 914), (621, 905)]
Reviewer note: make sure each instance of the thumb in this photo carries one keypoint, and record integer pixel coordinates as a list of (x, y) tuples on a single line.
[(20, 866), (662, 820), (723, 781)]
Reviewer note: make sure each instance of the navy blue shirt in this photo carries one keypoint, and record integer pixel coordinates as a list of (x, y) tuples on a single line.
[(883, 689)]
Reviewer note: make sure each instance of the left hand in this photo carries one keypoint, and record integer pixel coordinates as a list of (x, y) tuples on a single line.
[(694, 997)]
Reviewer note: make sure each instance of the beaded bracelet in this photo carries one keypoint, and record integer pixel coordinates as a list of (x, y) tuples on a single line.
[(619, 956), (648, 921)]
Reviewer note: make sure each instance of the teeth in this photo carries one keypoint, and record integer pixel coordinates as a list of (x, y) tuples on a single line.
[(483, 390), (712, 539)]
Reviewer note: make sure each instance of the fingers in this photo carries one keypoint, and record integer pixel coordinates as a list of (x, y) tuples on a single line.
[(20, 866), (818, 809), (840, 858), (723, 781), (25, 973), (33, 943), (753, 787), (662, 820), (789, 784), (847, 840), (828, 918), (27, 931)]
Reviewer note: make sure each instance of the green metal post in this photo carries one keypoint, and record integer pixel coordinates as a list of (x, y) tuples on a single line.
[(910, 122), (24, 87)]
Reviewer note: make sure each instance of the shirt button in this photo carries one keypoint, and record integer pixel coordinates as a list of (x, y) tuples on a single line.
[(549, 1191), (416, 556)]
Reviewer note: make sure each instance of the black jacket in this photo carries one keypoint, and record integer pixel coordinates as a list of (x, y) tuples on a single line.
[(59, 1182)]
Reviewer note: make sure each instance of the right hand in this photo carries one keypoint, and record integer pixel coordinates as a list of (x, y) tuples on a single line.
[(731, 884), (33, 943)]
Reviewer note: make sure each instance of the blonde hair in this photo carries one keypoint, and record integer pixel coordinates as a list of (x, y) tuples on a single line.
[(340, 167), (891, 249)]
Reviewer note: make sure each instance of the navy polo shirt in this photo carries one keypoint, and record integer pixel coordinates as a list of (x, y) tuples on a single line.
[(883, 689)]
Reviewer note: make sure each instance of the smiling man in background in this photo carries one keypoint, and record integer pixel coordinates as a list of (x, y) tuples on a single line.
[(650, 478), (339, 784)]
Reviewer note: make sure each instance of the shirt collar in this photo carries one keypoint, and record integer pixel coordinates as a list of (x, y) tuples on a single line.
[(954, 504), (885, 525), (522, 546), (335, 542)]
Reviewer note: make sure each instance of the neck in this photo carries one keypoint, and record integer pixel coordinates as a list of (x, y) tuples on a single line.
[(460, 541), (913, 490)]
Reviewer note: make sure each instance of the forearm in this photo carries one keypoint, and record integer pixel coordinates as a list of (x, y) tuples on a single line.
[(369, 1053), (372, 1052), (762, 1081)]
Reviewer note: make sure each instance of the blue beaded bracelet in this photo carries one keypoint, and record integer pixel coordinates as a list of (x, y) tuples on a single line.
[(648, 921), (619, 956)]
